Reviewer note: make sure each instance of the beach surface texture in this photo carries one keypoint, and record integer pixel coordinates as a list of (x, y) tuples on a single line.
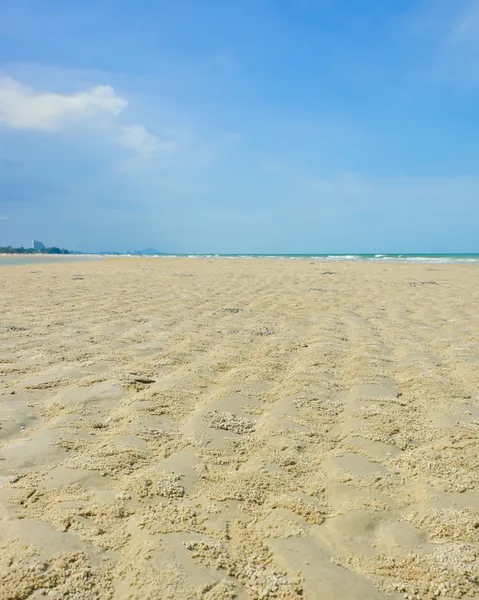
[(251, 429)]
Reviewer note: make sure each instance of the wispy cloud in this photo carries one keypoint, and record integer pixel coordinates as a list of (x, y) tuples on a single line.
[(24, 108), (466, 28), (451, 33), (141, 141), (395, 197), (348, 193), (3, 218)]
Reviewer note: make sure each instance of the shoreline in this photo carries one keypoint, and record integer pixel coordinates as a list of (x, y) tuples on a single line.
[(426, 259), (45, 254), (12, 260)]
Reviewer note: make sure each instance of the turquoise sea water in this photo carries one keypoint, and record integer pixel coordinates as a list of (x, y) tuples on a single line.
[(405, 258)]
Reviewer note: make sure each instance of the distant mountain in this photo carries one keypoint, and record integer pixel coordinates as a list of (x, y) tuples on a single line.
[(147, 252)]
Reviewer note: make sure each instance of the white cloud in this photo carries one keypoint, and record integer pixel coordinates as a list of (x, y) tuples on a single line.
[(3, 218), (24, 108), (140, 140)]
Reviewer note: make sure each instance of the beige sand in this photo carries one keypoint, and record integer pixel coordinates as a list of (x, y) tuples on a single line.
[(219, 429)]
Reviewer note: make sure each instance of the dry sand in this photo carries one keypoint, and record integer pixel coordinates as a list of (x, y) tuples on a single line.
[(217, 429)]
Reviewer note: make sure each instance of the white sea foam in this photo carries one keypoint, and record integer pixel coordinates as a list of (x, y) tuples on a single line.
[(404, 258), (343, 257)]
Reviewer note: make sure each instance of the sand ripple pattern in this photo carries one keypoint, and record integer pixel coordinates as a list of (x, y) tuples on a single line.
[(218, 429)]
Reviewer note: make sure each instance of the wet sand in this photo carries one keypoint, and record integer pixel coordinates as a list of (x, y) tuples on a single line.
[(219, 429)]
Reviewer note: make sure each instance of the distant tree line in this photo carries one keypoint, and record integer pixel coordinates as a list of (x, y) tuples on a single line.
[(22, 250)]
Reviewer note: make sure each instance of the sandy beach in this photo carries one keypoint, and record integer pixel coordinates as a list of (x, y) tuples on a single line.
[(220, 429)]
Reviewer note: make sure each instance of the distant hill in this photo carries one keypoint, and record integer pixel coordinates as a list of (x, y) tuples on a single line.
[(147, 252)]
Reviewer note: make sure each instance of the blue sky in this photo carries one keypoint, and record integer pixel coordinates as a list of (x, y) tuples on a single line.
[(246, 126)]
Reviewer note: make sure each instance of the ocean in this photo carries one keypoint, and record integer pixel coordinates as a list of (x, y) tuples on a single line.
[(403, 258)]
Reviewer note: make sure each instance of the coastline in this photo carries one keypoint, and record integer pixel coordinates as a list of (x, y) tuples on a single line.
[(205, 428), (26, 259), (424, 258)]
